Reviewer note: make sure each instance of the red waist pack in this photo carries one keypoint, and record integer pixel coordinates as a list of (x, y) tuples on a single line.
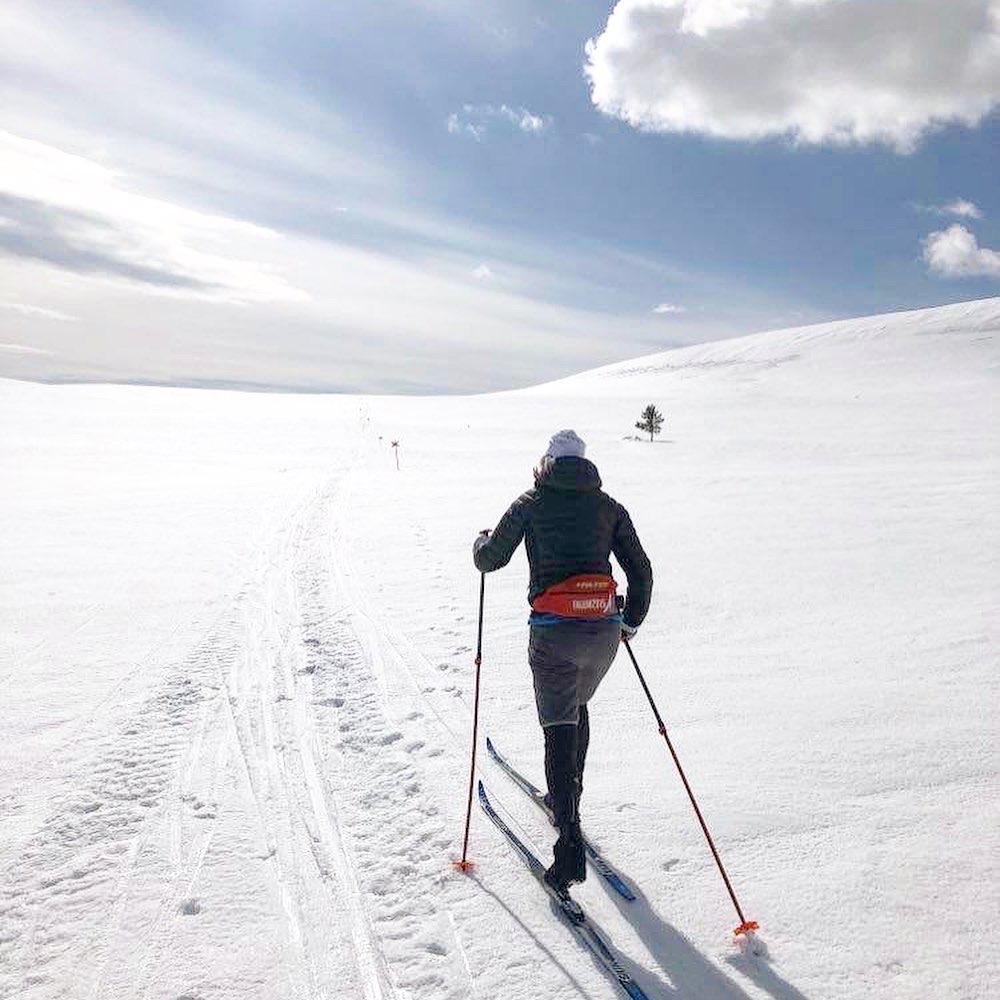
[(589, 595)]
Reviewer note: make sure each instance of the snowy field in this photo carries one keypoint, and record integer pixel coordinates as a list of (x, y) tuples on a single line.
[(236, 660)]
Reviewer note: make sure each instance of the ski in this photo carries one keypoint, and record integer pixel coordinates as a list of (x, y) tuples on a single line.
[(569, 908), (601, 866)]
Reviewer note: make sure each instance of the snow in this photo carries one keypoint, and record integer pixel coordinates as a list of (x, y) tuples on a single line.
[(236, 659)]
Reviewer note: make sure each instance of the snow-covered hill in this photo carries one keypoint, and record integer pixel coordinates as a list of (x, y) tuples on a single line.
[(236, 663)]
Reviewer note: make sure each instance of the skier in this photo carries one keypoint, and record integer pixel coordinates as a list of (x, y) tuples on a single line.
[(570, 527)]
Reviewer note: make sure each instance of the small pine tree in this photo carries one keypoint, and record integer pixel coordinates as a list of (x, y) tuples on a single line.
[(651, 422)]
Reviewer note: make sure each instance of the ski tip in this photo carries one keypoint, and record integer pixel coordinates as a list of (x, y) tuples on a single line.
[(489, 746)]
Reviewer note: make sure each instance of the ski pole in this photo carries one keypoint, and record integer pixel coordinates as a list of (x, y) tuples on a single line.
[(746, 926), (465, 864)]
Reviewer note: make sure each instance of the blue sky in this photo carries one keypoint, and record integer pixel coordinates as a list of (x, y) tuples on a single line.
[(458, 196)]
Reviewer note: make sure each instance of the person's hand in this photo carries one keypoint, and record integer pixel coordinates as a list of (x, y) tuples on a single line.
[(628, 632)]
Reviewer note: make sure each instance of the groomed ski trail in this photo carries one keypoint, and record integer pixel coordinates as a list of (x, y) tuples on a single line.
[(206, 821)]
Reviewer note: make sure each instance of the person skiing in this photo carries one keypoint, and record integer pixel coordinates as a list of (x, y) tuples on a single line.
[(570, 526)]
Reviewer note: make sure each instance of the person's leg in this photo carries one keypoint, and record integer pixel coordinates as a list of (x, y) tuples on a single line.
[(596, 648), (555, 680), (582, 742), (560, 772), (569, 862)]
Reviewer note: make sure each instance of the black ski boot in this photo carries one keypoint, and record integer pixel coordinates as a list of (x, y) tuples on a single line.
[(582, 742), (570, 863)]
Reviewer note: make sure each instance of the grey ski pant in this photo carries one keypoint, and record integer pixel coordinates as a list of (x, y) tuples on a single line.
[(568, 661)]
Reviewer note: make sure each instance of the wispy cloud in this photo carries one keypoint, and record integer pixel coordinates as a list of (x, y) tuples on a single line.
[(482, 272), (23, 349), (475, 120), (960, 208), (460, 125), (955, 253), (28, 310), (963, 209), (75, 214), (668, 308)]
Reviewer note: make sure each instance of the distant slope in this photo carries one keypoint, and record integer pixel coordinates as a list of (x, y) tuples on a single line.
[(776, 347)]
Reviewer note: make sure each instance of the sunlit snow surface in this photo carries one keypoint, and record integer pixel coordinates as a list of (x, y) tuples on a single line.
[(236, 661)]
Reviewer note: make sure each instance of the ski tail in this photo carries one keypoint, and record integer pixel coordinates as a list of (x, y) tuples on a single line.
[(597, 860), (569, 909)]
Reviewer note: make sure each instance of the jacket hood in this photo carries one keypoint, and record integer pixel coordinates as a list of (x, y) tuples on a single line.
[(571, 473)]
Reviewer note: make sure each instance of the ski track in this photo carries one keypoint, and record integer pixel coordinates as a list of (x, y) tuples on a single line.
[(380, 736), (282, 742), (89, 847)]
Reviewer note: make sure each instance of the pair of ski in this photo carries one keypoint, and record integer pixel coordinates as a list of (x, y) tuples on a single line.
[(569, 908)]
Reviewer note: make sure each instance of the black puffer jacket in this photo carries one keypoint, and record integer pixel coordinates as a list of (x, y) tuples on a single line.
[(570, 526)]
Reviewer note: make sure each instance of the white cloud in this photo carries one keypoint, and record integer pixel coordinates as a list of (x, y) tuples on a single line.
[(482, 272), (818, 71), (955, 253), (476, 119), (39, 311), (959, 207), (668, 308), (524, 119), (963, 209), (459, 126)]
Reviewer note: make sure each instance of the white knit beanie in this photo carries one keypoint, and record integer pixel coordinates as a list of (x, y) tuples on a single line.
[(566, 444)]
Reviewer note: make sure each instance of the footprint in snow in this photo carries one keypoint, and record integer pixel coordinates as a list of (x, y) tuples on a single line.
[(190, 907), (203, 810), (390, 738)]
